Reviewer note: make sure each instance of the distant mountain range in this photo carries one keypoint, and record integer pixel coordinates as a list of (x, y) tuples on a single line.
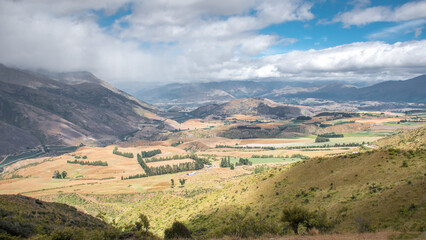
[(412, 90), (197, 94), (41, 108)]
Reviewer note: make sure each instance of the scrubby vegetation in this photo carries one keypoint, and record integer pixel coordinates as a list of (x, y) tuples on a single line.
[(124, 154)]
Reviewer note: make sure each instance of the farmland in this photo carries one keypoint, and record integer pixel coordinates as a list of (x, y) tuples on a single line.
[(215, 193)]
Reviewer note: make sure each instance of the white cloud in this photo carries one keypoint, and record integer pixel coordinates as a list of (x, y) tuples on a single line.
[(418, 32), (169, 21), (170, 40), (403, 28), (357, 61), (166, 40), (362, 16)]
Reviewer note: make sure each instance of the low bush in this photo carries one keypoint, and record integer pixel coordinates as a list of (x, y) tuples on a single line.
[(178, 230), (296, 216)]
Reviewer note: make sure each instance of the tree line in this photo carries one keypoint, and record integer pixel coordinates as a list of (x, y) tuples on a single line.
[(329, 145), (94, 163), (147, 154), (124, 154), (331, 135), (166, 169), (175, 157), (134, 176), (244, 147)]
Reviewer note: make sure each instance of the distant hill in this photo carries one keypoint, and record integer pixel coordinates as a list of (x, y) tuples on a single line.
[(197, 94), (411, 90), (65, 109), (247, 106)]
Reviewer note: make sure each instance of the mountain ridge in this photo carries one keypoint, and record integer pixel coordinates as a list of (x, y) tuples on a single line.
[(197, 94), (58, 113)]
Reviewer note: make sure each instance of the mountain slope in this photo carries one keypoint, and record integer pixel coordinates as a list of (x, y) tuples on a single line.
[(78, 108), (412, 90), (247, 106), (196, 94)]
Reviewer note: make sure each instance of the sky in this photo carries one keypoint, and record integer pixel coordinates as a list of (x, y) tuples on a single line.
[(167, 41)]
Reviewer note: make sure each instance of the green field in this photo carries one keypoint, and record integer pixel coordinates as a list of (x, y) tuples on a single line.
[(369, 134), (404, 123)]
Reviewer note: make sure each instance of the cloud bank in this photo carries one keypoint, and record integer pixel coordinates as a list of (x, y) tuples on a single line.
[(169, 41)]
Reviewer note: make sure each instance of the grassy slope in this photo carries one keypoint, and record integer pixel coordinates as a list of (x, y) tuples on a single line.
[(396, 204), (406, 140), (25, 217)]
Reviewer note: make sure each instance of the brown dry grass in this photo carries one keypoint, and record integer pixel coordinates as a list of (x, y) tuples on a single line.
[(199, 123), (244, 117)]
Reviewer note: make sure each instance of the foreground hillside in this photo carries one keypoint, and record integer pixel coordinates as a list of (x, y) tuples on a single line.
[(378, 190), (40, 109), (24, 217)]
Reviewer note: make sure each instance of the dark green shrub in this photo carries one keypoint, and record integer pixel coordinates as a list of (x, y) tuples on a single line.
[(321, 139), (295, 216), (178, 230), (142, 223)]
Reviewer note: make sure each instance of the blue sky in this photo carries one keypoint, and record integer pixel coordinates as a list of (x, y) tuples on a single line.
[(313, 34), (201, 40)]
